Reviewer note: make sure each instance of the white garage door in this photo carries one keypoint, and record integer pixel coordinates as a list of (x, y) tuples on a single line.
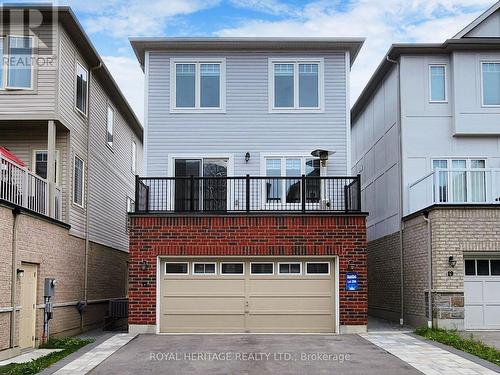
[(247, 295), (482, 293)]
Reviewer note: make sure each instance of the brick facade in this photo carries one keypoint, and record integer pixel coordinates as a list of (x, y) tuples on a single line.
[(58, 254), (290, 235)]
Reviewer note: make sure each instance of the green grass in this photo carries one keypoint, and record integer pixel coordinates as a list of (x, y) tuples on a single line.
[(468, 345), (68, 344)]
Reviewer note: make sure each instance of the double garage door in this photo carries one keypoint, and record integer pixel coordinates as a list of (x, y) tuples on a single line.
[(247, 295)]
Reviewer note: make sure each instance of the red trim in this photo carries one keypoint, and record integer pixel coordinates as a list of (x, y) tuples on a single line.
[(13, 158)]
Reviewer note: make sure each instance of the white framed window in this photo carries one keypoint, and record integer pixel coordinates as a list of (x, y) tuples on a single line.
[(461, 180), (296, 85), (110, 124), (291, 268), (40, 160), (262, 268), (317, 268), (278, 190), (482, 267), (200, 268), (232, 268), (437, 83), (490, 83), (78, 180), (81, 88), (17, 67), (197, 85), (176, 268), (134, 157)]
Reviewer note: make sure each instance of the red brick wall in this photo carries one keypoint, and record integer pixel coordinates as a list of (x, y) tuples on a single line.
[(295, 235)]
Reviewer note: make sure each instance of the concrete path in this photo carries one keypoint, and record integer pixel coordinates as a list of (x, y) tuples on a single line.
[(29, 356), (381, 325), (425, 357), (252, 354), (95, 356)]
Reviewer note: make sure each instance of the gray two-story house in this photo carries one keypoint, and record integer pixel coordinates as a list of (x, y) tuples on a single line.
[(247, 220), (70, 147), (426, 141)]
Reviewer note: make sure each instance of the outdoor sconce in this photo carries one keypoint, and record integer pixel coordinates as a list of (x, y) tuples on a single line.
[(144, 265), (247, 157), (20, 272), (451, 261), (322, 155)]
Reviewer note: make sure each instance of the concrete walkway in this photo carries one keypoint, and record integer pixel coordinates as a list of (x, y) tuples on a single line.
[(29, 356), (425, 357)]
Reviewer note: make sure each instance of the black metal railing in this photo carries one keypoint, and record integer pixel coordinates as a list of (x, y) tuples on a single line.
[(247, 194)]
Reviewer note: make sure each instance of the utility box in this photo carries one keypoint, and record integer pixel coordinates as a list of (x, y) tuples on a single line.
[(50, 287)]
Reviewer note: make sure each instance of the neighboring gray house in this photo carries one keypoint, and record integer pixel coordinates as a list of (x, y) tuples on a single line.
[(426, 141), (70, 147), (237, 136)]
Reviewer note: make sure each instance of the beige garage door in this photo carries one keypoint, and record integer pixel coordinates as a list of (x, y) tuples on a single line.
[(247, 295)]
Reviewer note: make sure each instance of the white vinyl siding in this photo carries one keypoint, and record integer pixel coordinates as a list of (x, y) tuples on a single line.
[(197, 85), (491, 83), (134, 157), (296, 84), (78, 181), (81, 94), (437, 83), (110, 121)]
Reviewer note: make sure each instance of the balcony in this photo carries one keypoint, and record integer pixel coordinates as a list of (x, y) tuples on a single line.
[(247, 194), (22, 187), (455, 186)]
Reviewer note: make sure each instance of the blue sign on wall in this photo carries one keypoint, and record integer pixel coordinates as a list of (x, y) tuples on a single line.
[(351, 281)]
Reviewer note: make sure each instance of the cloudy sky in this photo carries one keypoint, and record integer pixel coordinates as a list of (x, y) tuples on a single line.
[(109, 23)]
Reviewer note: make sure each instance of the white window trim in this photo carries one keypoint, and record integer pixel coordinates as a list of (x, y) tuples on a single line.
[(83, 182), (130, 202), (318, 274), (482, 62), (231, 274), (468, 160), (197, 108), (57, 163), (109, 107), (176, 274), (77, 63), (445, 83), (5, 41), (133, 150), (289, 273), (262, 274), (203, 273), (296, 61)]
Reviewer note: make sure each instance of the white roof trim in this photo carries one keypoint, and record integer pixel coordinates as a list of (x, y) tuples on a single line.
[(467, 29)]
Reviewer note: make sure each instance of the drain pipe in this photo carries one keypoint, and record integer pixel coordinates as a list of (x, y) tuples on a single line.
[(13, 288), (82, 306), (425, 215)]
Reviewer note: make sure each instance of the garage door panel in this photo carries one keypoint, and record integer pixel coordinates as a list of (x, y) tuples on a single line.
[(206, 323), (492, 291), (492, 316), (286, 303), (289, 323), (473, 291), (214, 286), (474, 316), (295, 287), (202, 305)]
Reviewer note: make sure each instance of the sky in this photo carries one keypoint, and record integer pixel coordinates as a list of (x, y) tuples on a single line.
[(110, 23)]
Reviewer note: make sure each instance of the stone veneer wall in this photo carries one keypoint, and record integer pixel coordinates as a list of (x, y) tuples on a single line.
[(284, 235), (60, 255), (384, 277)]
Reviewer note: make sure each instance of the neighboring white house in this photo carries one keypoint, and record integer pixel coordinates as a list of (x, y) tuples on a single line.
[(426, 139)]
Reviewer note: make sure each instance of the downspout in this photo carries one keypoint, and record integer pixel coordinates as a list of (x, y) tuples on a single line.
[(13, 289), (401, 192), (87, 240), (425, 215)]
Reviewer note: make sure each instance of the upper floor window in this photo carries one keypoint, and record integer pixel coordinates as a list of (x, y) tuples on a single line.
[(134, 157), (110, 126), (198, 85), (437, 83), (16, 68), (81, 88), (491, 83), (295, 85), (78, 181)]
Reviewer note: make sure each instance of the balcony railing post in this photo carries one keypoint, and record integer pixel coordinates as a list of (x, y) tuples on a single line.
[(359, 193), (191, 194), (346, 198), (303, 192), (247, 191), (137, 196), (25, 189)]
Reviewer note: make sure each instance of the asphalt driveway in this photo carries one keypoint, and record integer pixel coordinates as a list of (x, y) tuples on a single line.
[(252, 354)]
